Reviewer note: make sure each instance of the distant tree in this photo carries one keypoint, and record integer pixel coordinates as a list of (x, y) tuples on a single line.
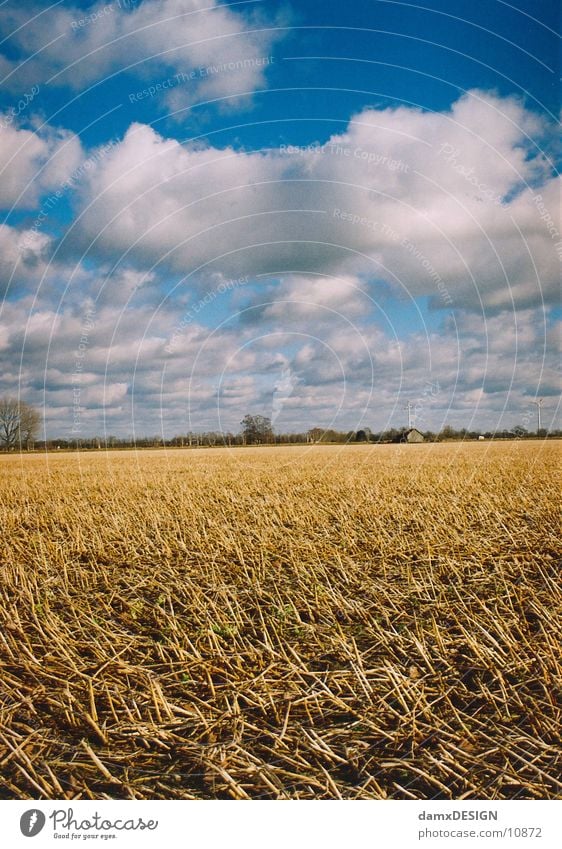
[(361, 436), (520, 431), (19, 424), (256, 429), (30, 422), (400, 434), (448, 432), (391, 435)]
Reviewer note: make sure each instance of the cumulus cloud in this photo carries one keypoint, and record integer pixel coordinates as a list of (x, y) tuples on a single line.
[(31, 268), (459, 208), (321, 367), (218, 51), (452, 205), (23, 258), (34, 161), (310, 300)]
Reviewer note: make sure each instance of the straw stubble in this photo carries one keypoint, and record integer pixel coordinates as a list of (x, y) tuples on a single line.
[(288, 623)]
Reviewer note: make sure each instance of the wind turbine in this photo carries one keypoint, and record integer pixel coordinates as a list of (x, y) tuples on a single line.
[(408, 407), (538, 403)]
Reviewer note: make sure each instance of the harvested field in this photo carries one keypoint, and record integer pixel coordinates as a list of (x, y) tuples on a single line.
[(331, 622)]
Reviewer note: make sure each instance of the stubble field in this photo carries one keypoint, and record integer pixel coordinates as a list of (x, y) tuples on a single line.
[(322, 622)]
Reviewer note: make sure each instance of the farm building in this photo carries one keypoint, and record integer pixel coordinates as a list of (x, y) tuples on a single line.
[(412, 435)]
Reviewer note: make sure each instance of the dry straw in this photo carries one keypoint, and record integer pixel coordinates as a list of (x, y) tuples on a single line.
[(274, 623)]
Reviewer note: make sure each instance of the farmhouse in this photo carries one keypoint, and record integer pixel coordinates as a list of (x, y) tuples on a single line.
[(412, 435)]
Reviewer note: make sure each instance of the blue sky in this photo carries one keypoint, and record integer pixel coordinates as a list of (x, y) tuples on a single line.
[(313, 212)]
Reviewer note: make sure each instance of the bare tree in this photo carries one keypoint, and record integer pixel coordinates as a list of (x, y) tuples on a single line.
[(19, 423), (30, 422), (9, 422)]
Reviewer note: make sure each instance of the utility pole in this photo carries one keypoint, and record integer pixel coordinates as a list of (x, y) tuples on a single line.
[(538, 405), (408, 407)]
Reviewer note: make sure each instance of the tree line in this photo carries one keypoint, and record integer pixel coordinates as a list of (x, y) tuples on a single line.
[(20, 424)]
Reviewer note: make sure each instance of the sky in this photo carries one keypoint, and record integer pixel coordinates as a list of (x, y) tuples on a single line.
[(312, 212)]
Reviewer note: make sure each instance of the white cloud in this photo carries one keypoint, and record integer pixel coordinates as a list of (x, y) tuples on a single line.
[(340, 373), (311, 300), (412, 216), (386, 199), (222, 47), (33, 163), (22, 258)]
